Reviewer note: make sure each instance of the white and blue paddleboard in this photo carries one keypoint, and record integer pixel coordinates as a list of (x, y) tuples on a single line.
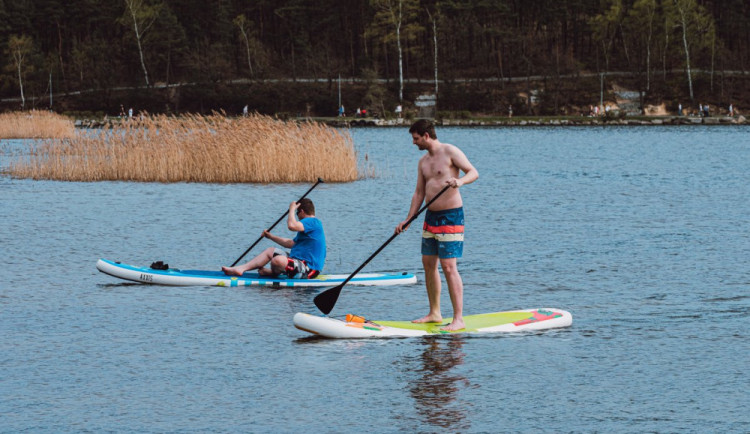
[(497, 322), (176, 277)]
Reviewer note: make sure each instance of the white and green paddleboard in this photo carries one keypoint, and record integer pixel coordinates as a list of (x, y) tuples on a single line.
[(177, 277), (497, 322)]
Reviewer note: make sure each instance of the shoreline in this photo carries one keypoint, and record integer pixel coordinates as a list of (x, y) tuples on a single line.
[(520, 121), (537, 121)]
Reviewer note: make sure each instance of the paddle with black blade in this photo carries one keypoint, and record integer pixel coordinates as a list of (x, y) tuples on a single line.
[(327, 299), (277, 222)]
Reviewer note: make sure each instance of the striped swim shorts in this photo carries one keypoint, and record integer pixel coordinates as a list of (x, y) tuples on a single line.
[(443, 233), (296, 268)]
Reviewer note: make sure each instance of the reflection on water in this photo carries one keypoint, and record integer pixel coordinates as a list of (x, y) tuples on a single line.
[(436, 391)]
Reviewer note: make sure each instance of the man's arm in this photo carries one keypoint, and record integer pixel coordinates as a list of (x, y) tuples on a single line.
[(460, 160), (283, 242), (416, 199), (291, 219)]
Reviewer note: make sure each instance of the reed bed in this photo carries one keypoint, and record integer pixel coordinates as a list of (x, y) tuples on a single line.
[(35, 124), (194, 148)]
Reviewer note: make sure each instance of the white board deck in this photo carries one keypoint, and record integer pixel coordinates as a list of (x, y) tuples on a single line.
[(496, 322)]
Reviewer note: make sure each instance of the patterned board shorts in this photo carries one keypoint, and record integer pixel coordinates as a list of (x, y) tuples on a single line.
[(297, 268), (443, 233)]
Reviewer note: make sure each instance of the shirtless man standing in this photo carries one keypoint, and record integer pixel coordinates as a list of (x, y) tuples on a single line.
[(443, 231)]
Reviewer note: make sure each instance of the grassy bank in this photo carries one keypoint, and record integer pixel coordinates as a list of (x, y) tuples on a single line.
[(35, 124), (212, 149)]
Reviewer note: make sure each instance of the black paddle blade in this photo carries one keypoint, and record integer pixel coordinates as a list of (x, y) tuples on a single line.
[(327, 299)]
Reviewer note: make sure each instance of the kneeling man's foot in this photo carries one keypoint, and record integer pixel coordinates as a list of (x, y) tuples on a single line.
[(231, 271)]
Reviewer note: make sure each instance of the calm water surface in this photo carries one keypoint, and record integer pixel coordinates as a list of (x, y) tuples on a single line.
[(642, 233)]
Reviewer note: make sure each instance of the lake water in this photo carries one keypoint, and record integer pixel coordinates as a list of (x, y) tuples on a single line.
[(640, 232)]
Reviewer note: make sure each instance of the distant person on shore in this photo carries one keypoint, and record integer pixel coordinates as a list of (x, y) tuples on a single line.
[(510, 111), (359, 113), (244, 111), (679, 109), (731, 110), (307, 256), (700, 109), (122, 111), (399, 109), (443, 230), (130, 112), (706, 112)]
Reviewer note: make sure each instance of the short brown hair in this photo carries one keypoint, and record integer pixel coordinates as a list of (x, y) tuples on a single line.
[(423, 126), (307, 206)]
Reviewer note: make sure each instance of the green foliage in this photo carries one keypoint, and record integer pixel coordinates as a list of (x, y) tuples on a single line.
[(614, 115), (375, 95), (392, 14), (447, 114), (90, 46)]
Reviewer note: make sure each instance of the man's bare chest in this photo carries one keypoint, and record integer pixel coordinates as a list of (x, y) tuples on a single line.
[(438, 167)]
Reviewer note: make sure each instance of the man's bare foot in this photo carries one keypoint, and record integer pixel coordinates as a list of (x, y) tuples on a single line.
[(455, 325), (428, 318), (231, 271)]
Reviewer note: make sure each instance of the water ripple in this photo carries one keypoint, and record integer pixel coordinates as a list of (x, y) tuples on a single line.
[(640, 232)]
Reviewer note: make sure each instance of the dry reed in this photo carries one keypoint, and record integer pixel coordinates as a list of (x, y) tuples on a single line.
[(35, 124), (193, 148)]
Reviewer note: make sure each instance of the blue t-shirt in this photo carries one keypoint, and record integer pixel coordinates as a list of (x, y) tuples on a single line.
[(310, 244)]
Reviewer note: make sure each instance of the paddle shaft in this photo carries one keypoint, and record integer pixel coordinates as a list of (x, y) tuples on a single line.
[(327, 299), (277, 222), (394, 236)]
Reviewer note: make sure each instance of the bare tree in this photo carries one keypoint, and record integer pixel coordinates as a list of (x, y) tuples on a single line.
[(433, 20), (20, 47), (640, 22), (243, 24), (143, 17), (400, 15), (697, 30), (605, 27), (681, 6)]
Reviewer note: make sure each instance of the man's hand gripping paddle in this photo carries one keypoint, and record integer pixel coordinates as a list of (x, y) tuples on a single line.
[(277, 222), (327, 299)]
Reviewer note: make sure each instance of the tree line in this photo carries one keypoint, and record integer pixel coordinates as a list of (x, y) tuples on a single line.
[(663, 45)]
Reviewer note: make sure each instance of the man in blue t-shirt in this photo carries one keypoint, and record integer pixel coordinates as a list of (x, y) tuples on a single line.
[(308, 248)]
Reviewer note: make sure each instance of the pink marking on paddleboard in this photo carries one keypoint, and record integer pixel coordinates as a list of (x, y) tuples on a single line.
[(538, 315)]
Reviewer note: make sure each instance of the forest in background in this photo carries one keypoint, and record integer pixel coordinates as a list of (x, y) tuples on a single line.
[(293, 56)]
